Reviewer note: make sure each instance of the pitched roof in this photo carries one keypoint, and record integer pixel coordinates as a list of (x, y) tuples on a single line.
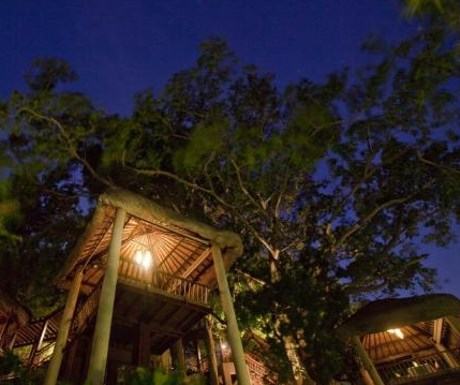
[(180, 245), (393, 313)]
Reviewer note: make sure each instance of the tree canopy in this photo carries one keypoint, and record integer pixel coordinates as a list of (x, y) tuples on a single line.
[(333, 186)]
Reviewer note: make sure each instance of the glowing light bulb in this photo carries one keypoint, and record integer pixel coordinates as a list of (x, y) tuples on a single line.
[(397, 332), (138, 257), (143, 258), (147, 259)]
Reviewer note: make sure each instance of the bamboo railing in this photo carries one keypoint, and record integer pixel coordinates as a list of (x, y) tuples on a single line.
[(408, 370), (258, 372), (171, 285), (85, 311)]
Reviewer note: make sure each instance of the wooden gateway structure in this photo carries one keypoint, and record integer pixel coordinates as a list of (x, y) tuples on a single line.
[(410, 341), (138, 280)]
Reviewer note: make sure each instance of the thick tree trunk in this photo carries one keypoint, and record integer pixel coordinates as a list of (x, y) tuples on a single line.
[(299, 371)]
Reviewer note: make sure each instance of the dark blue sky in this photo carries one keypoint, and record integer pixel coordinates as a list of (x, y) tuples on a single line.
[(121, 47)]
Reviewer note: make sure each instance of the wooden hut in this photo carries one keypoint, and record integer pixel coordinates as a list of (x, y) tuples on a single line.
[(138, 280), (412, 340)]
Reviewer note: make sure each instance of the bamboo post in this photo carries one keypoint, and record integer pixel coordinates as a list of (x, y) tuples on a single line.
[(13, 340), (196, 344), (437, 336), (366, 377), (101, 337), (38, 345), (367, 362), (242, 373), (179, 357), (52, 372), (4, 328), (143, 345), (212, 358)]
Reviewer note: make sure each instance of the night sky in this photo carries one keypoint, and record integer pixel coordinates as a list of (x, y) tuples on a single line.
[(121, 47)]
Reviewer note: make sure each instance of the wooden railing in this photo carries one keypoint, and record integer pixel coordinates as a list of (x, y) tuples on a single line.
[(258, 372), (172, 285), (44, 354), (86, 311), (411, 369)]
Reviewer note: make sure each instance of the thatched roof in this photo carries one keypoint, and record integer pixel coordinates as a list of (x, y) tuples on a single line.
[(181, 245), (393, 313)]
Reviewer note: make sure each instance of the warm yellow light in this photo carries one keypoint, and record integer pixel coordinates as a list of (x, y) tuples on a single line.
[(143, 259), (147, 260), (138, 257), (396, 332)]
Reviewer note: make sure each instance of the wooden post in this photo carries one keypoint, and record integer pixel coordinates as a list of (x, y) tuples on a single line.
[(212, 359), (178, 357), (437, 336), (13, 340), (366, 377), (143, 345), (4, 329), (242, 373), (367, 362), (38, 345), (196, 344), (101, 337), (52, 372), (70, 360)]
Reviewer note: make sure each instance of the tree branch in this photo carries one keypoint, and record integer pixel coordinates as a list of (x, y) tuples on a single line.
[(359, 224), (437, 165), (244, 189), (70, 148), (151, 172)]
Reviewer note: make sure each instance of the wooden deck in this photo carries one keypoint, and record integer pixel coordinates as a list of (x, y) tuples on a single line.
[(421, 370), (163, 306)]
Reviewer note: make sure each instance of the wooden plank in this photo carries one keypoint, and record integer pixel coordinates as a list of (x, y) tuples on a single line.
[(196, 263), (170, 253), (155, 292)]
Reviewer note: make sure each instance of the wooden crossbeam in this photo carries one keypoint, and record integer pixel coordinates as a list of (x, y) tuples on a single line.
[(197, 263)]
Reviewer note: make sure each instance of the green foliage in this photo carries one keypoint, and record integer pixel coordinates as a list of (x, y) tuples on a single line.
[(47, 73), (15, 372), (10, 215), (145, 376), (333, 186)]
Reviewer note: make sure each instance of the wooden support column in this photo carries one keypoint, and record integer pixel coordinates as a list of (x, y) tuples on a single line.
[(242, 373), (367, 362), (4, 329), (13, 340), (196, 345), (52, 372), (454, 323), (143, 345), (212, 358), (38, 345), (101, 337), (437, 336), (366, 377), (178, 357)]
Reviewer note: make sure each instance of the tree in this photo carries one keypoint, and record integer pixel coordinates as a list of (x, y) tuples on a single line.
[(331, 185)]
